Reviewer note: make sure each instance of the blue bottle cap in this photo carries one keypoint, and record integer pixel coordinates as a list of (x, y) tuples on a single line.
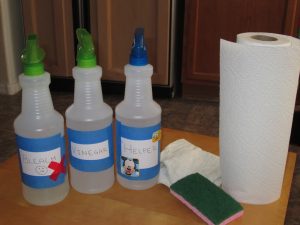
[(138, 55)]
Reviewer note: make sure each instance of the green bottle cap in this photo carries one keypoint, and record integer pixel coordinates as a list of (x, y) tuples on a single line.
[(86, 57), (32, 57)]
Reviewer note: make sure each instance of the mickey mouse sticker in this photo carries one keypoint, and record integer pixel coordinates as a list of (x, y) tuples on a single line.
[(130, 167)]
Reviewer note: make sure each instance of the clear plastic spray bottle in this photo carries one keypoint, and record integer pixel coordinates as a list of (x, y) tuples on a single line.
[(89, 123), (40, 133), (138, 123)]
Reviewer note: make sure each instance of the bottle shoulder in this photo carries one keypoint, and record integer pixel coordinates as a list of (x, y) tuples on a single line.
[(30, 126), (82, 114), (129, 114), (49, 117), (88, 120), (131, 106)]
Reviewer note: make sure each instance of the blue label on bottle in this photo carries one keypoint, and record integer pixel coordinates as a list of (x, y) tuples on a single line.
[(91, 151), (138, 151), (42, 161)]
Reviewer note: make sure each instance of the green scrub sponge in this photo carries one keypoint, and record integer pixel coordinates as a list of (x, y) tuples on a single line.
[(206, 200)]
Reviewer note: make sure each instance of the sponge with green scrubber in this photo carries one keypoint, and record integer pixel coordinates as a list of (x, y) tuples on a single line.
[(206, 200)]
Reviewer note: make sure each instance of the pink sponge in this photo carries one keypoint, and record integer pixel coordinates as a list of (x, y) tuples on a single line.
[(206, 200)]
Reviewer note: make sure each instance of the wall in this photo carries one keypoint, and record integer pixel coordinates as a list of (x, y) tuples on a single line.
[(11, 45)]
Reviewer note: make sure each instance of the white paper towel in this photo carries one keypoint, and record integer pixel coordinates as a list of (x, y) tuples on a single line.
[(258, 85)]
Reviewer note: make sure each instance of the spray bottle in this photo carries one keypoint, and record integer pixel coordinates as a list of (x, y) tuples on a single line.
[(40, 133), (138, 123), (89, 123)]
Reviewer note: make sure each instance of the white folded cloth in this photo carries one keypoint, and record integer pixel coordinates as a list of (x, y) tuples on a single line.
[(181, 158)]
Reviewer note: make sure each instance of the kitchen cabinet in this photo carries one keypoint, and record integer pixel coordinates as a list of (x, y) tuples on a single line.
[(207, 21), (112, 25)]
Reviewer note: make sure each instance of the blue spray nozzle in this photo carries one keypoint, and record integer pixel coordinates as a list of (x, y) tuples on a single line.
[(138, 55)]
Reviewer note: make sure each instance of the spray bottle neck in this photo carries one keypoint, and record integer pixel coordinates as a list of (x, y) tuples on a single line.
[(36, 97), (138, 84), (88, 91)]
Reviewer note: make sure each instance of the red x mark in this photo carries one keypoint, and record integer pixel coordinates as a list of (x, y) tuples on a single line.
[(58, 168)]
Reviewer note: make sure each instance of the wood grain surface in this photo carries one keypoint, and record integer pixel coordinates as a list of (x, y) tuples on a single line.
[(121, 206)]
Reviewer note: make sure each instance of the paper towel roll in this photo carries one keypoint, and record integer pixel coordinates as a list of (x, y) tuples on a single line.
[(258, 85)]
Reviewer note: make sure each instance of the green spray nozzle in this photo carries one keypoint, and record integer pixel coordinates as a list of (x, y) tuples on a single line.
[(86, 57), (32, 57)]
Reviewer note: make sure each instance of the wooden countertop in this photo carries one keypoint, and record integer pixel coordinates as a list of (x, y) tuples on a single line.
[(120, 206)]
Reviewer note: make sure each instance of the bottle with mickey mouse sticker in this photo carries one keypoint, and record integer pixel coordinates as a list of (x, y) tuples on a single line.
[(138, 123), (40, 133)]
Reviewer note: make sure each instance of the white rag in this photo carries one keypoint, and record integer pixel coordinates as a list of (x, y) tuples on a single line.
[(181, 158)]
